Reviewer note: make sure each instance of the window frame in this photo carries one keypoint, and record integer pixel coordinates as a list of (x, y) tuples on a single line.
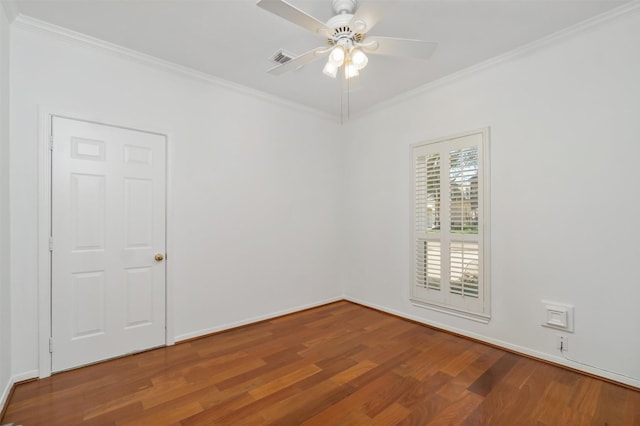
[(441, 301)]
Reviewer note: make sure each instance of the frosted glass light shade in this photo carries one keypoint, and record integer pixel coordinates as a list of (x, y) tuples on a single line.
[(336, 57), (359, 59), (350, 70), (330, 69)]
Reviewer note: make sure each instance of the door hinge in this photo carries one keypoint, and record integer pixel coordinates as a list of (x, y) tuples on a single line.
[(51, 345), (50, 142), (50, 243)]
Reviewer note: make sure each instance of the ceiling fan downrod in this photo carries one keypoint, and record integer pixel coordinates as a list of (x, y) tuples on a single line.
[(343, 6)]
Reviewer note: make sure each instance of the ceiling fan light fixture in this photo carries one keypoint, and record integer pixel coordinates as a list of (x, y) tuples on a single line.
[(330, 69), (336, 57), (359, 59)]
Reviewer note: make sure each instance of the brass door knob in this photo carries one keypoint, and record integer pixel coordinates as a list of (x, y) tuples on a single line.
[(159, 257)]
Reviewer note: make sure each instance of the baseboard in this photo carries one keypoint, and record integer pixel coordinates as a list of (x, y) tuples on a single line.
[(520, 350), (8, 389), (6, 392), (228, 326)]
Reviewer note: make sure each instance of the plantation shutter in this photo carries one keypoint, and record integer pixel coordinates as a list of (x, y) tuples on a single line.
[(428, 264), (464, 269), (427, 251), (463, 189), (449, 224)]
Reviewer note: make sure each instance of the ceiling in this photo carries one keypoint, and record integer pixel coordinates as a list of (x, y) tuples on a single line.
[(234, 40)]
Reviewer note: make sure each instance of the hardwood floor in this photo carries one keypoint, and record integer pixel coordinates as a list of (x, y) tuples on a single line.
[(333, 365)]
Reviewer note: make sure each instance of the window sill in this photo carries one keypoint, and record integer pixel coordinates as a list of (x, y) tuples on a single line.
[(473, 316)]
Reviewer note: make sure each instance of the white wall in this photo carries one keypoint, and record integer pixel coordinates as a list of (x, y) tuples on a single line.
[(275, 208), (254, 184), (5, 306), (565, 196)]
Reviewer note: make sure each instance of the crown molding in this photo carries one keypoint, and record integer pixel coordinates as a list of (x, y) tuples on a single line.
[(10, 9), (557, 37), (36, 25)]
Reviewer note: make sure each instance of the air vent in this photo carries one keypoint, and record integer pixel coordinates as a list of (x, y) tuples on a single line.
[(281, 57)]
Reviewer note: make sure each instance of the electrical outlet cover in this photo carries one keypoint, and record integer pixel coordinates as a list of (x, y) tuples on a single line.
[(558, 316)]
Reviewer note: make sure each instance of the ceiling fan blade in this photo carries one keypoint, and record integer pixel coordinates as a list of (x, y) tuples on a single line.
[(295, 15), (399, 47), (299, 61), (366, 16)]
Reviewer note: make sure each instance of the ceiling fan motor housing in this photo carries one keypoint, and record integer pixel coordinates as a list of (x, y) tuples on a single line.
[(342, 30)]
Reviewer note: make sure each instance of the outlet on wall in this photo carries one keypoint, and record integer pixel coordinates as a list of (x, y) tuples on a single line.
[(562, 343)]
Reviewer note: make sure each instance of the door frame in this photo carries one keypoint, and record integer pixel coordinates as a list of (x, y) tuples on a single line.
[(44, 224)]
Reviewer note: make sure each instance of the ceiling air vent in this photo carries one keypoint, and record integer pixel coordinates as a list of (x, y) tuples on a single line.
[(281, 57)]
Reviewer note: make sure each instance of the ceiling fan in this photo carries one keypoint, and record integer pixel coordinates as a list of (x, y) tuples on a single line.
[(347, 38)]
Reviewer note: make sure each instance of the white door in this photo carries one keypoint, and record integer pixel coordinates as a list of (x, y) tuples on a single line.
[(108, 224)]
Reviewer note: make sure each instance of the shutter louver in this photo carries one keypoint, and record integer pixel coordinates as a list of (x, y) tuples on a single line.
[(433, 193), (420, 195), (463, 190), (464, 269), (427, 264)]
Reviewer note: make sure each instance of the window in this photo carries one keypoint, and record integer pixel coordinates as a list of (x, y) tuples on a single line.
[(451, 225)]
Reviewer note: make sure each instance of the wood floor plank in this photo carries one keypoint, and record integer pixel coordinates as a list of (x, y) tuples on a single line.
[(391, 415), (493, 376), (353, 372), (389, 393), (271, 362), (554, 401), (338, 364), (523, 406), (284, 381), (424, 389), (632, 413), (355, 401), (111, 417), (456, 412), (231, 415), (611, 407), (460, 362), (214, 412), (425, 411), (304, 405)]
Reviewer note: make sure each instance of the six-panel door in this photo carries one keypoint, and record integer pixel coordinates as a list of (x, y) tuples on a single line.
[(108, 223)]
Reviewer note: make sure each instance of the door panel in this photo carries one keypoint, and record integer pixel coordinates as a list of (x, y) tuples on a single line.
[(88, 304), (88, 212), (108, 222)]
